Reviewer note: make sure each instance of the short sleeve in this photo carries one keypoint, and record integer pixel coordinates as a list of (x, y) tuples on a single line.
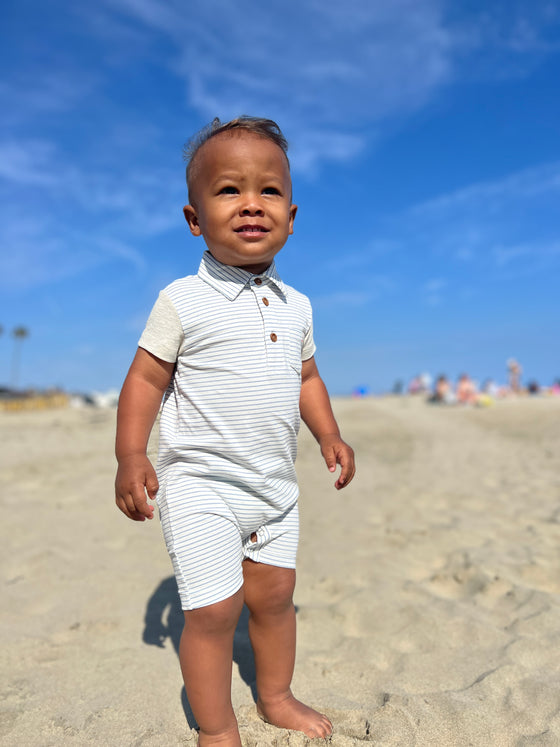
[(308, 346), (163, 334)]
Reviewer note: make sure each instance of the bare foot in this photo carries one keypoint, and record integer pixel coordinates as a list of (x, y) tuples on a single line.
[(289, 713)]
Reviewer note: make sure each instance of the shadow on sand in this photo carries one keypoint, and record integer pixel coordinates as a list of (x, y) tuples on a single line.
[(164, 620)]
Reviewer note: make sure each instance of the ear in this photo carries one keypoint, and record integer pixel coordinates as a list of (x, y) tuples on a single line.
[(293, 211), (192, 219)]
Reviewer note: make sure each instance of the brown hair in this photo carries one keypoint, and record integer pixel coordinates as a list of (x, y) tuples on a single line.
[(257, 125)]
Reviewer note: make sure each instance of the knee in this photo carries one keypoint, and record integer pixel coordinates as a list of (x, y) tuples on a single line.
[(215, 619), (273, 598)]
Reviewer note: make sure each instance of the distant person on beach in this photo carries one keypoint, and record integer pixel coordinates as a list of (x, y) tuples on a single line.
[(490, 388), (515, 372), (465, 390), (231, 348), (415, 385), (533, 387), (443, 392)]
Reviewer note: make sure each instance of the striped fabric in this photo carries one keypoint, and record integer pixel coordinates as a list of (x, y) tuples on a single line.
[(229, 423)]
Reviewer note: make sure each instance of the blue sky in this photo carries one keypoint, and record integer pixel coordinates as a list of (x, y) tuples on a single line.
[(425, 150)]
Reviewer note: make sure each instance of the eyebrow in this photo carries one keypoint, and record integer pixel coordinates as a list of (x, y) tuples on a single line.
[(239, 176)]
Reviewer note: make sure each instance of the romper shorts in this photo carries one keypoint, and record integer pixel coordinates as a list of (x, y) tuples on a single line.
[(207, 526)]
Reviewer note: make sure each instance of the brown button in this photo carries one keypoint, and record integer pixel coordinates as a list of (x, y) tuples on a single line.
[(273, 336), (258, 281), (265, 301)]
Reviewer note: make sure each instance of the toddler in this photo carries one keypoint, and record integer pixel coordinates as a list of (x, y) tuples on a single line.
[(230, 352)]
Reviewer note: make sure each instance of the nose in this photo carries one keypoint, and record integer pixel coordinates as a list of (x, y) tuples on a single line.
[(251, 206)]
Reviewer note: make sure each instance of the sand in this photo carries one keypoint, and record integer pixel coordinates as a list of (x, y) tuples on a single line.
[(427, 597)]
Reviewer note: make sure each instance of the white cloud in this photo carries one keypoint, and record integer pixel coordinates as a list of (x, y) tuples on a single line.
[(28, 163), (364, 289), (491, 195), (39, 249), (527, 258), (38, 92), (329, 88), (333, 90), (312, 147), (506, 224), (493, 231), (434, 285), (46, 197), (334, 87), (432, 291), (341, 299), (362, 260)]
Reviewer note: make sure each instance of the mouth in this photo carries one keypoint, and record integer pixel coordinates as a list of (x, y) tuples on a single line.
[(251, 229)]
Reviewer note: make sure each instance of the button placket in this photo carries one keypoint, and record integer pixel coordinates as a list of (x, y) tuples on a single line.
[(273, 335), (267, 315)]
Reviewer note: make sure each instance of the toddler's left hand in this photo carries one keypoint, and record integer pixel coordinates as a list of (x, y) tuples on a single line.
[(336, 451)]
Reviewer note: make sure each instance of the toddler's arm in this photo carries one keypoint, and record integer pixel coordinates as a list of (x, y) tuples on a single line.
[(139, 403), (317, 414)]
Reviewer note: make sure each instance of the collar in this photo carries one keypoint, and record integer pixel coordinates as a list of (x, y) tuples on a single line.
[(230, 281)]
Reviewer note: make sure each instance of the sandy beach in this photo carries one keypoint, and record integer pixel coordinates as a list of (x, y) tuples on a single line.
[(427, 600)]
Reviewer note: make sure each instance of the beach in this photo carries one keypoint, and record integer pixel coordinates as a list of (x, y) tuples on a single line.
[(427, 597)]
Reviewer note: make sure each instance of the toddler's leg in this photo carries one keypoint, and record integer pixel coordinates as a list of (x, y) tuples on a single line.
[(205, 653), (272, 628)]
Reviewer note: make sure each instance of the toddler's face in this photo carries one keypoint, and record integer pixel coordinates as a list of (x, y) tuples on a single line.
[(241, 199)]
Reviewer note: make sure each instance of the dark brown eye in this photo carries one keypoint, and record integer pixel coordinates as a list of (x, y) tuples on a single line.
[(228, 191), (271, 191)]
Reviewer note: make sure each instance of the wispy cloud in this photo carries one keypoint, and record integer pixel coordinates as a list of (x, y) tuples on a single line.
[(37, 92), (432, 291), (502, 40), (335, 91), (506, 223), (360, 65), (490, 232), (527, 258), (342, 299), (488, 196), (61, 219), (50, 201), (502, 228), (365, 289), (39, 253), (28, 163), (365, 63)]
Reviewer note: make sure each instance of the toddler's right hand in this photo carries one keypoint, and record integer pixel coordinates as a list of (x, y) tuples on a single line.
[(136, 477)]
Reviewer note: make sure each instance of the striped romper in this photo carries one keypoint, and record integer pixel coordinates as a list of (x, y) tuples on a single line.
[(229, 423)]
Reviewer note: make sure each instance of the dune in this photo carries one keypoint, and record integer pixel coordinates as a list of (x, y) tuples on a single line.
[(427, 599)]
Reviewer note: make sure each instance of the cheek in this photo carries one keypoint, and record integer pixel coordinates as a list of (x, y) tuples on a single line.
[(215, 218)]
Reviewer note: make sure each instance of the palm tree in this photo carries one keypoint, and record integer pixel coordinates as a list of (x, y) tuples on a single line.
[(19, 334)]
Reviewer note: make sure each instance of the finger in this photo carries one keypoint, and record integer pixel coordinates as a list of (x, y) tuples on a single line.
[(152, 486), (135, 501), (346, 477), (133, 511), (124, 506), (139, 498), (330, 458), (346, 461), (141, 505)]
